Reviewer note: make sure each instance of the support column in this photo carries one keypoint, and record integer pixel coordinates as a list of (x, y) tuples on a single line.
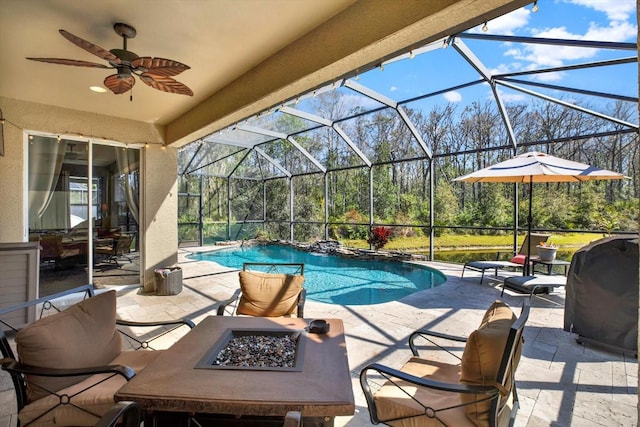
[(228, 208), (516, 219), (326, 207), (431, 204), (200, 210), (264, 205), (291, 209), (370, 202)]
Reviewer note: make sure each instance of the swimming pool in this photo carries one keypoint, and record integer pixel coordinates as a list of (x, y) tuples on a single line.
[(335, 280)]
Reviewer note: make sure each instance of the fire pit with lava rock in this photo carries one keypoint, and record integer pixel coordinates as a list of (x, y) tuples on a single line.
[(256, 350)]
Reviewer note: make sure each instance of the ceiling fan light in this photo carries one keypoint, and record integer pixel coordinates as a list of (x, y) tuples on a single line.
[(98, 89)]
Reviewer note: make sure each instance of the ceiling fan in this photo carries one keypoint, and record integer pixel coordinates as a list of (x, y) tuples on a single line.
[(155, 72)]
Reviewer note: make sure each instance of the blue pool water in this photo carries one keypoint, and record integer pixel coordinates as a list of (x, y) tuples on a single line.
[(336, 280)]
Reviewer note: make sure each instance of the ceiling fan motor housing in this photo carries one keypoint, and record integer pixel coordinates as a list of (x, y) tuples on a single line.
[(125, 56)]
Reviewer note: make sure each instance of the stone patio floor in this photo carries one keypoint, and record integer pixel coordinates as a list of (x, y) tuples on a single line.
[(560, 382)]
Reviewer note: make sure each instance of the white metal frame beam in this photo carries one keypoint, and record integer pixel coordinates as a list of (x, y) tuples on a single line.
[(484, 72), (357, 87)]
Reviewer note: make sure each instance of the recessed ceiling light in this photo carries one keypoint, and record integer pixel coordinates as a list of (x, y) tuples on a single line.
[(98, 89)]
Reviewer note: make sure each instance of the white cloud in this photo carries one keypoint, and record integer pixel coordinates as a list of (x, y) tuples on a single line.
[(619, 27), (510, 97), (505, 24), (615, 32), (513, 52), (616, 10), (393, 88), (355, 101), (506, 68), (554, 56), (453, 96), (550, 77)]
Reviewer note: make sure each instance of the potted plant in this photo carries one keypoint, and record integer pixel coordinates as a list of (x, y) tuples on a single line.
[(379, 237), (547, 251)]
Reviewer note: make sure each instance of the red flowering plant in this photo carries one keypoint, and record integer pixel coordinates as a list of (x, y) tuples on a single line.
[(379, 237)]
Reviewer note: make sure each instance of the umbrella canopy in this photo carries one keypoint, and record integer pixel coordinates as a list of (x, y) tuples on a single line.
[(538, 167)]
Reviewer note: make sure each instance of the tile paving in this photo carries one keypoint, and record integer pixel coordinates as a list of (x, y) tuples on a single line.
[(560, 382)]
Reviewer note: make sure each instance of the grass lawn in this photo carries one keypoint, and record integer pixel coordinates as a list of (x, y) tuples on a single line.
[(460, 242)]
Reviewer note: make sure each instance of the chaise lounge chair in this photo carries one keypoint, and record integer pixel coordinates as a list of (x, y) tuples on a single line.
[(534, 285), (517, 261)]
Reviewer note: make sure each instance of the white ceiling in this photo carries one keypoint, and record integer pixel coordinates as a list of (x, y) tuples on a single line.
[(243, 54), (231, 37)]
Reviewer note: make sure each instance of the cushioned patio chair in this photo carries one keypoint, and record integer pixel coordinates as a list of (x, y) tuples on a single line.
[(115, 248), (517, 261), (268, 290), (52, 250), (476, 389), (70, 364)]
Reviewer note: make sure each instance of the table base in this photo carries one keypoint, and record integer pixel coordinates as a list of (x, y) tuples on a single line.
[(181, 419)]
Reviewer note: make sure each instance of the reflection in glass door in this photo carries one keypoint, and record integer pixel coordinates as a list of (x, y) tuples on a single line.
[(86, 223), (116, 176)]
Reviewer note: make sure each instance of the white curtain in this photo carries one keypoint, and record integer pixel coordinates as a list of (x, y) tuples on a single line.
[(46, 156), (128, 165)]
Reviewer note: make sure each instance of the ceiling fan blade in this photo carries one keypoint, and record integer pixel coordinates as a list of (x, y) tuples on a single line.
[(165, 84), (70, 62), (119, 83), (90, 47), (159, 66)]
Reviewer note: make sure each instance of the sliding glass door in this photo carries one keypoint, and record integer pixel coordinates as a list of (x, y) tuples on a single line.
[(83, 209)]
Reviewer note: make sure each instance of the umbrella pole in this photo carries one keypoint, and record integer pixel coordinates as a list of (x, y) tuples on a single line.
[(525, 270)]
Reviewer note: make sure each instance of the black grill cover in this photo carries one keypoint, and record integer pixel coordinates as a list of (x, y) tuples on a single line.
[(602, 292)]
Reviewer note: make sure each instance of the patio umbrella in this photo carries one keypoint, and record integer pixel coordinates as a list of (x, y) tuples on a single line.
[(538, 167)]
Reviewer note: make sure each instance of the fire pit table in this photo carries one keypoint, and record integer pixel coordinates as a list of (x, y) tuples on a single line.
[(189, 381)]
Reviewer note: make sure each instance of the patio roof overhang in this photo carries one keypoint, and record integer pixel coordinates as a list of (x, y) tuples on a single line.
[(243, 57)]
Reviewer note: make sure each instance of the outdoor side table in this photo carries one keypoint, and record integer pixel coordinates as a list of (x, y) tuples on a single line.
[(549, 264)]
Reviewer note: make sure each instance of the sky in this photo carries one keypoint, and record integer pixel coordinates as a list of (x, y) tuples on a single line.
[(595, 20)]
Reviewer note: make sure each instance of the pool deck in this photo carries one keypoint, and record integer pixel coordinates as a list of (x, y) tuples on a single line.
[(560, 382)]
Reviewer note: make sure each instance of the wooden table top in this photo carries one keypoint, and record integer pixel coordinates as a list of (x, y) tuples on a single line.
[(171, 382)]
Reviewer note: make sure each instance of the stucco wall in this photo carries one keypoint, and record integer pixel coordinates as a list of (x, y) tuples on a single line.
[(160, 201), (158, 198), (12, 227)]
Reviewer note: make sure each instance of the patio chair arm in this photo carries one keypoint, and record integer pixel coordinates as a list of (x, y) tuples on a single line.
[(223, 304), (301, 301), (425, 333), (183, 321), (389, 374), (293, 419), (17, 368), (143, 342), (130, 413)]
